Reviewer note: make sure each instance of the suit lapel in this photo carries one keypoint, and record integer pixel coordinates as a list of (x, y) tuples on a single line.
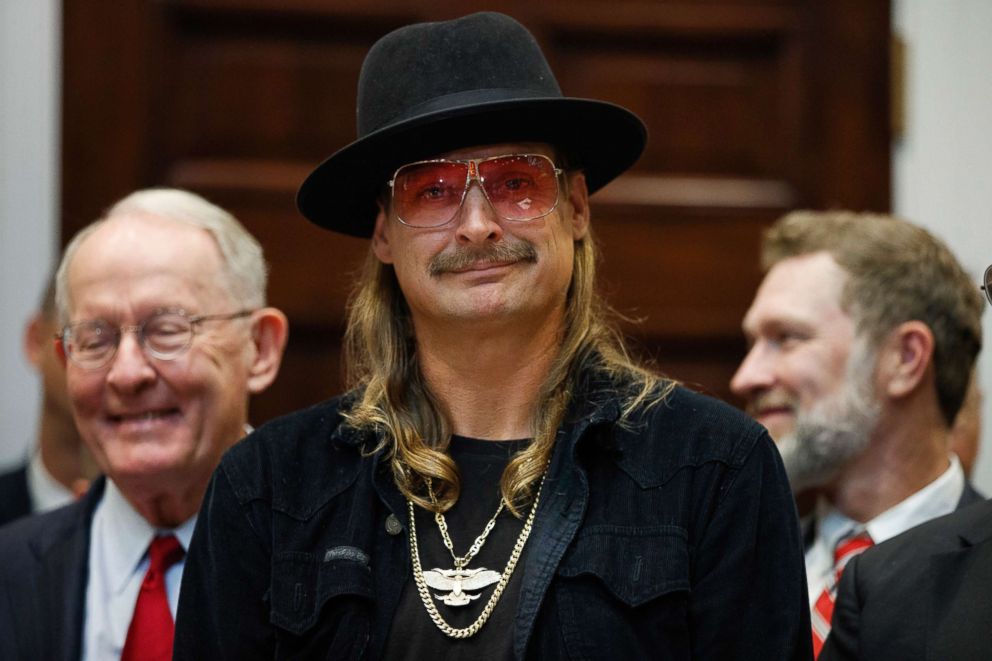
[(958, 582), (63, 559)]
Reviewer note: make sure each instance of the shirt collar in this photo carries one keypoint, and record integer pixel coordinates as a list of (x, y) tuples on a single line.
[(936, 499), (131, 534), (46, 492)]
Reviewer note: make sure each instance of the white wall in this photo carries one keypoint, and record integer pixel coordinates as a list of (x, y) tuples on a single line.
[(29, 98), (942, 168)]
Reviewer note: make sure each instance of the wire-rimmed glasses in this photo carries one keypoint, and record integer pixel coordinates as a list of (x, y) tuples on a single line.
[(165, 334)]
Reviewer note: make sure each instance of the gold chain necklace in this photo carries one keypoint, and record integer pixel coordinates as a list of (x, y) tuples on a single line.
[(460, 579), (442, 524)]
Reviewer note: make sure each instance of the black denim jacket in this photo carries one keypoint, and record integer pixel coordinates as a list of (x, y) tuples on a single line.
[(675, 538)]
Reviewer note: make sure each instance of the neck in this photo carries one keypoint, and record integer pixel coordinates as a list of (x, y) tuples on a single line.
[(62, 450), (163, 506), (905, 455), (487, 379), (169, 497)]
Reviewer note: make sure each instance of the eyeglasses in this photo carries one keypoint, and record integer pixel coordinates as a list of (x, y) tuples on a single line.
[(987, 286), (519, 187), (166, 334)]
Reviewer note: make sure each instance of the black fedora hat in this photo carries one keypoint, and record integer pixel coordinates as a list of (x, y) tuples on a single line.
[(429, 88)]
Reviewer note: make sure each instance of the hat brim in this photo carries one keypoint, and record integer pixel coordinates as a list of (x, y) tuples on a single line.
[(600, 138)]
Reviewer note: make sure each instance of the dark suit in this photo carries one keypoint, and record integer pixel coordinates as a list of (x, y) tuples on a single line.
[(924, 594), (15, 501), (44, 562)]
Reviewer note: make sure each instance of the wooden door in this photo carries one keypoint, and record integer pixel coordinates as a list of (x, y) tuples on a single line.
[(754, 107)]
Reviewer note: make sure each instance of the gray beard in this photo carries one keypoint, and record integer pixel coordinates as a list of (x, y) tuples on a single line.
[(815, 454), (826, 438)]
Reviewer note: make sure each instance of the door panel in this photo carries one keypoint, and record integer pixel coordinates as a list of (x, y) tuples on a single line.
[(754, 107)]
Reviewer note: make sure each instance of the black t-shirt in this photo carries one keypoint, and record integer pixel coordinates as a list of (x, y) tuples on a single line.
[(413, 634)]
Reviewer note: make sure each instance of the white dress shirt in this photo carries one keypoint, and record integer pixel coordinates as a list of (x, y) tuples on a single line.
[(45, 491), (936, 499), (118, 560)]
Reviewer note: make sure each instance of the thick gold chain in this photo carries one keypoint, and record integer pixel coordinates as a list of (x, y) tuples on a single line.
[(425, 595)]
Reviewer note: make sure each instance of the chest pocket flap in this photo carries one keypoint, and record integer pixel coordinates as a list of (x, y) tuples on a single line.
[(303, 584), (636, 565)]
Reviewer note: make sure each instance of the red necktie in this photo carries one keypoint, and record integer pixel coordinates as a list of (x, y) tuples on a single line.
[(823, 609), (149, 638)]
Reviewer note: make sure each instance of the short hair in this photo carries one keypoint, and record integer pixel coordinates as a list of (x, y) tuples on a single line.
[(242, 257), (896, 272)]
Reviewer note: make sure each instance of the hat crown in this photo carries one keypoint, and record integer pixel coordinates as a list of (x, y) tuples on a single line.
[(431, 67)]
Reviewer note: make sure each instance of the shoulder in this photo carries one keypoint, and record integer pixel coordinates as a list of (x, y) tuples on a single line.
[(890, 560), (296, 461), (32, 540), (697, 427), (688, 430), (13, 478), (15, 501)]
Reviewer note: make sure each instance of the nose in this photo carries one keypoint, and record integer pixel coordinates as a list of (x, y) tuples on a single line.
[(477, 221), (755, 373), (130, 368)]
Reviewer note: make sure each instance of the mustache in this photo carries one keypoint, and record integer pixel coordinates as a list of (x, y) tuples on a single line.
[(459, 259), (769, 400)]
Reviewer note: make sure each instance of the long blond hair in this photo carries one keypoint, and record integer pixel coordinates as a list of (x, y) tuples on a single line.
[(394, 400)]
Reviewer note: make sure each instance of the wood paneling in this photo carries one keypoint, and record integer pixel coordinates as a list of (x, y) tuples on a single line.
[(754, 107)]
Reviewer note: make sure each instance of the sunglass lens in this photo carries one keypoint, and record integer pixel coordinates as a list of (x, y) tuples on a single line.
[(429, 194), (520, 187)]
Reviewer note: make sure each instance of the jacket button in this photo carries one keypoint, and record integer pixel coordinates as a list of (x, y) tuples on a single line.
[(393, 525)]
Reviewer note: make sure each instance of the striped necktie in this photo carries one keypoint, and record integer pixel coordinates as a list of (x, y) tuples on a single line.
[(823, 609)]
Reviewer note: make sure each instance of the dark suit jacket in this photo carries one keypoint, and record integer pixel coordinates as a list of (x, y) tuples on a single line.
[(925, 594), (15, 501), (969, 496), (43, 576)]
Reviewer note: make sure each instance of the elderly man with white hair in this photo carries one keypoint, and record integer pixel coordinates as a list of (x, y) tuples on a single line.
[(166, 335)]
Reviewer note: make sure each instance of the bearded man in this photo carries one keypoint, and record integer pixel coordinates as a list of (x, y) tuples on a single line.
[(614, 514), (863, 337), (923, 594)]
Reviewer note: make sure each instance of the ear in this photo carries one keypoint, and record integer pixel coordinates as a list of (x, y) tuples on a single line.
[(380, 242), (270, 331), (35, 340), (578, 199), (907, 355)]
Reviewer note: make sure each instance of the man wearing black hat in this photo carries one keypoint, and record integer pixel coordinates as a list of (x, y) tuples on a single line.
[(501, 481)]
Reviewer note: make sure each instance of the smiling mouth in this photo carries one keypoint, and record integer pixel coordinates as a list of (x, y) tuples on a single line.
[(483, 266), (144, 416), (769, 412)]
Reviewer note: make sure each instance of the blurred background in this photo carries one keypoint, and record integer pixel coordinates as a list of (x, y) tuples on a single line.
[(754, 107)]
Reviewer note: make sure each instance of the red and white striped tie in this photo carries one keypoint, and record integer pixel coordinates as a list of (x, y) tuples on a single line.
[(823, 609)]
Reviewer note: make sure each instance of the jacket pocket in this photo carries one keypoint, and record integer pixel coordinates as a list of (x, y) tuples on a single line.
[(634, 564), (622, 592), (322, 605)]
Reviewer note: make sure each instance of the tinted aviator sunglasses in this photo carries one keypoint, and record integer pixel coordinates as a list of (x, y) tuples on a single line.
[(519, 187)]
